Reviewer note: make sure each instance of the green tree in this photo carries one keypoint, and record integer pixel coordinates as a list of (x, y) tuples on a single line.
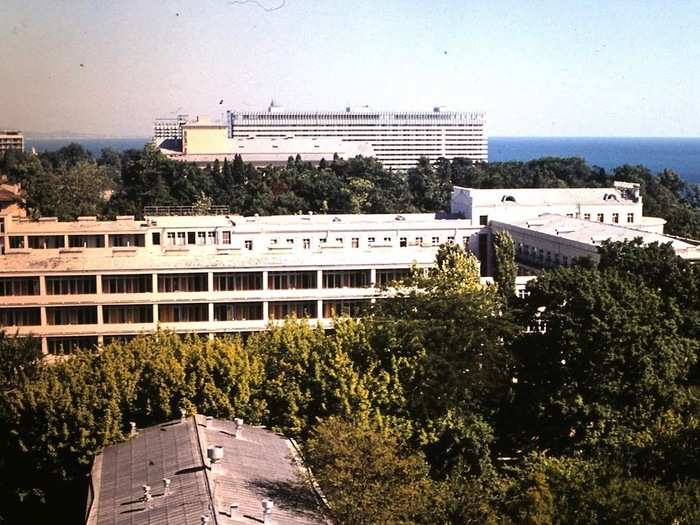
[(505, 270), (368, 475), (609, 356)]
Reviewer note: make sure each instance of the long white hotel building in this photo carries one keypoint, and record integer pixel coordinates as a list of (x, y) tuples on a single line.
[(86, 282), (397, 139)]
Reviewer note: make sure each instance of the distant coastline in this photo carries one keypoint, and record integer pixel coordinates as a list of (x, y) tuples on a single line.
[(682, 155)]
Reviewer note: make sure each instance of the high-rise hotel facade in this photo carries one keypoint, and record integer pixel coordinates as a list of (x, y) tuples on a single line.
[(398, 139)]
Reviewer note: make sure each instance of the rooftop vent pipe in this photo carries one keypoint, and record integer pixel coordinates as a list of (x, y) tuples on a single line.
[(183, 415), (210, 422), (239, 427), (166, 486), (267, 505), (133, 431), (215, 453)]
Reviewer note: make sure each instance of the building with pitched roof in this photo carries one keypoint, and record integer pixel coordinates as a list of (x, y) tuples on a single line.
[(199, 471)]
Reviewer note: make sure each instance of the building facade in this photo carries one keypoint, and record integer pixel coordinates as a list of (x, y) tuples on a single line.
[(88, 282), (397, 139), (11, 140)]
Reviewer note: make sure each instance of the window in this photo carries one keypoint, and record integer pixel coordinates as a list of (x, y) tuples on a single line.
[(155, 238), (127, 283), (248, 244), (403, 242), (630, 217), (355, 242), (370, 239), (570, 215), (66, 345), (601, 218), (450, 239), (280, 310), (211, 237), (20, 316), (16, 242), (291, 280), (127, 239), (171, 238), (306, 243), (67, 315), (273, 241), (183, 313), (436, 241), (346, 278), (238, 311), (71, 285), (387, 239), (15, 286), (483, 220), (344, 307), (616, 218), (86, 241), (182, 282), (232, 281), (201, 238), (587, 216), (180, 239), (386, 277), (339, 240), (419, 241), (42, 242), (290, 242), (225, 237), (127, 314)]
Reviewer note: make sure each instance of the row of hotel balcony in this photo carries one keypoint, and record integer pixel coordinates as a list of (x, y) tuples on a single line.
[(198, 282), (177, 312)]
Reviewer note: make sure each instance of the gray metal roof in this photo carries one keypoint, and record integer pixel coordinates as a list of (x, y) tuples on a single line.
[(259, 465)]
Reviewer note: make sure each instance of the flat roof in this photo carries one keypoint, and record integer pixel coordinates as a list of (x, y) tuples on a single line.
[(258, 465), (135, 260), (591, 232), (547, 196)]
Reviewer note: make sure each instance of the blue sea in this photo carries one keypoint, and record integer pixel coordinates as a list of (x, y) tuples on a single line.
[(682, 155)]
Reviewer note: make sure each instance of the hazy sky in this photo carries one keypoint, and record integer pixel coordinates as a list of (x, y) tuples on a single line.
[(537, 68)]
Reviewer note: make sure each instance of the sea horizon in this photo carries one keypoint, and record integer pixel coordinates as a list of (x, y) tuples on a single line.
[(680, 154)]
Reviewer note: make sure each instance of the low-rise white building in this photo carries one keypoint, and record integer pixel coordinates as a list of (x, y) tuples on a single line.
[(86, 282)]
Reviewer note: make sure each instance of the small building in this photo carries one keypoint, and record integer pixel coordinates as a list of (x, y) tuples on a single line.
[(199, 471), (11, 140)]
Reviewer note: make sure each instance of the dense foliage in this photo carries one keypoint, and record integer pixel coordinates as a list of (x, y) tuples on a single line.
[(69, 182)]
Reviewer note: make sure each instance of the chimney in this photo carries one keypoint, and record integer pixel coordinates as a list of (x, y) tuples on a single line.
[(234, 514), (133, 431), (166, 486), (267, 505), (183, 415), (239, 427)]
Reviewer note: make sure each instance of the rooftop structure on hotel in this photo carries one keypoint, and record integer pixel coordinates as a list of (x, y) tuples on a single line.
[(11, 140), (397, 139), (86, 282), (201, 470)]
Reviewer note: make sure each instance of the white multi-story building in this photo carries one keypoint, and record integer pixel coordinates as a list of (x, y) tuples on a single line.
[(11, 140), (397, 139), (88, 281)]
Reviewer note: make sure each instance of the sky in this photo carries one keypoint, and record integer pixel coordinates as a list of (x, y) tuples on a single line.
[(537, 68)]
